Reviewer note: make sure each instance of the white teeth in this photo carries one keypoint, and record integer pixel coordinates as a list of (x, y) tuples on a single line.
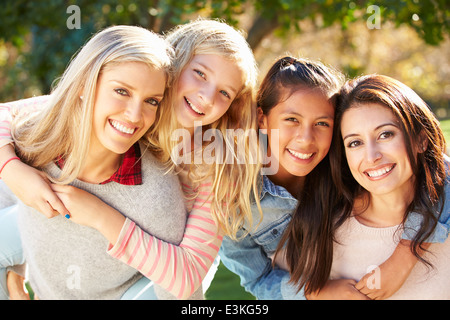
[(303, 156), (121, 127), (193, 107), (380, 172)]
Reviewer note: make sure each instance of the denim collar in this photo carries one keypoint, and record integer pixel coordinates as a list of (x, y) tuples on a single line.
[(277, 191)]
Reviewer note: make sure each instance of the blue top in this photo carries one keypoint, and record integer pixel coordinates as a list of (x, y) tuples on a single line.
[(250, 257)]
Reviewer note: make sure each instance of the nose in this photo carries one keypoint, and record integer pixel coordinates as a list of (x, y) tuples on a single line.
[(207, 93), (373, 152), (133, 111), (304, 135)]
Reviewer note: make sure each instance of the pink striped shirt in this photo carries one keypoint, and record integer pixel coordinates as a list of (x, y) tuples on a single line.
[(180, 268), (7, 110)]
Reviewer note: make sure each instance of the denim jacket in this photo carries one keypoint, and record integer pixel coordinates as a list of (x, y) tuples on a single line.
[(442, 229), (250, 257)]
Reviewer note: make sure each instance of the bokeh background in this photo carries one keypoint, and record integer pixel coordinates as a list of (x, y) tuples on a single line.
[(405, 39)]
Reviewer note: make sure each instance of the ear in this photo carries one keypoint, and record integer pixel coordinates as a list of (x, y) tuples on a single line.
[(422, 143), (262, 121)]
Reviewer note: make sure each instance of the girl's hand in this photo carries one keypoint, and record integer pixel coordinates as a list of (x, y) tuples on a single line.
[(340, 289), (88, 210), (84, 208), (391, 274), (31, 186)]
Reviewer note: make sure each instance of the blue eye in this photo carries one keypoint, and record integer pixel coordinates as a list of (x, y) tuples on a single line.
[(225, 94), (201, 74)]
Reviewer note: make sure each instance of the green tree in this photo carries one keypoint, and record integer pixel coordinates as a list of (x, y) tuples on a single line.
[(38, 29)]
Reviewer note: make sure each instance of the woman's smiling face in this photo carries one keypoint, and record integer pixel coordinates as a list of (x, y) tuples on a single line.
[(305, 126), (127, 97), (375, 149)]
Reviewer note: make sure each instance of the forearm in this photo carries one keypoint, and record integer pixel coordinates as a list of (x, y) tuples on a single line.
[(8, 110), (5, 125), (109, 223), (6, 153)]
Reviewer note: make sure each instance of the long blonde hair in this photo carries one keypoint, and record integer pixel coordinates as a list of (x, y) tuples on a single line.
[(232, 183), (63, 128)]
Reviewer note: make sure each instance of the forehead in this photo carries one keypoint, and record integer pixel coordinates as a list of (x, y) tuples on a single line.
[(136, 75), (306, 102), (367, 116), (226, 69)]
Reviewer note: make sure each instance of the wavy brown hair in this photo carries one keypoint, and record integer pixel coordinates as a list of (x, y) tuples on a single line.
[(310, 237)]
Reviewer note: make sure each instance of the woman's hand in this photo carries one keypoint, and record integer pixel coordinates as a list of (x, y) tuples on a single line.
[(391, 274), (31, 186), (340, 289), (84, 208)]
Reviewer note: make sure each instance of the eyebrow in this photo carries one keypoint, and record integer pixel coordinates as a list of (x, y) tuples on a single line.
[(377, 128), (228, 87), (157, 95), (301, 116), (123, 84)]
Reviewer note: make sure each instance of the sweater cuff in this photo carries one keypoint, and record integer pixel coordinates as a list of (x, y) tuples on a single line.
[(118, 249)]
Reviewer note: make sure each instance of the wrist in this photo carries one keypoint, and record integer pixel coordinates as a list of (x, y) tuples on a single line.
[(109, 222), (5, 163)]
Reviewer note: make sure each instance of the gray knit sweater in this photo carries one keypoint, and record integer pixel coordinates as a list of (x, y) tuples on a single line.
[(69, 261)]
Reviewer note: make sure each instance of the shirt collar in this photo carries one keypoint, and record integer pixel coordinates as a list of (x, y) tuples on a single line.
[(269, 187), (129, 172)]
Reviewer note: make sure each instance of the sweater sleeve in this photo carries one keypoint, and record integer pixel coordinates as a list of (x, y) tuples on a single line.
[(181, 268), (7, 110)]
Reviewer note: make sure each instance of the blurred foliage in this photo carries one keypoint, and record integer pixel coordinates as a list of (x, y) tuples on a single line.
[(36, 44)]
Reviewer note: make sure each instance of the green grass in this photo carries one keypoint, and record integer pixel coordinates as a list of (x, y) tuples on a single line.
[(226, 286), (445, 125)]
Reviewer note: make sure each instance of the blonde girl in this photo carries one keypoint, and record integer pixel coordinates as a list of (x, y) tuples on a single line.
[(214, 80)]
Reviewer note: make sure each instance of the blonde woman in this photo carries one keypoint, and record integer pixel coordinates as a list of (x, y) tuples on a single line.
[(116, 81), (213, 88)]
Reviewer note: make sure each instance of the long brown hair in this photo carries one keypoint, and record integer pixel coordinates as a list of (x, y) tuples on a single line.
[(420, 128), (310, 248), (286, 76)]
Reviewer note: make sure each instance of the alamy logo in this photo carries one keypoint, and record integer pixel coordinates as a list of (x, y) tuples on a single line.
[(73, 282), (374, 21), (74, 20), (222, 149)]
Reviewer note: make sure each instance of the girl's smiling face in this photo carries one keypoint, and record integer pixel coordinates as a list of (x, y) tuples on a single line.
[(305, 125), (126, 100), (206, 88), (375, 149)]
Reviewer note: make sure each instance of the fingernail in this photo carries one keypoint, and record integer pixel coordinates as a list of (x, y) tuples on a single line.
[(67, 216)]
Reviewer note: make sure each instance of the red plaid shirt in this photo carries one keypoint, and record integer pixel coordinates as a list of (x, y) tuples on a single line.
[(129, 172)]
